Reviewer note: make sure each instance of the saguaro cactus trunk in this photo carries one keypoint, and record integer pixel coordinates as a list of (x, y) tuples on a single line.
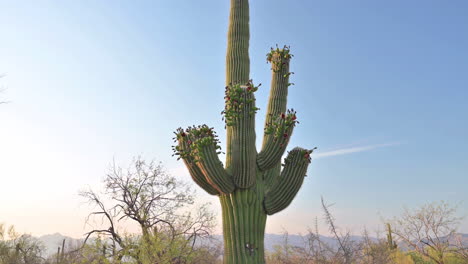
[(252, 184)]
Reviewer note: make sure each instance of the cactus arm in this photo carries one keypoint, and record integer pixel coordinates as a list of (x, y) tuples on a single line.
[(288, 184), (183, 149), (277, 134), (213, 169), (199, 177), (280, 130), (240, 152), (198, 147), (280, 59)]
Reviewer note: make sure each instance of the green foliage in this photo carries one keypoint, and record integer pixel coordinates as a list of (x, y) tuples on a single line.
[(158, 247), (94, 252), (18, 248), (165, 248), (448, 258)]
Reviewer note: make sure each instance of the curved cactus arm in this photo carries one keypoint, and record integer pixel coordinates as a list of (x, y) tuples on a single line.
[(288, 184), (271, 175), (273, 149), (198, 147), (239, 115), (196, 173), (200, 179), (183, 150), (279, 59), (212, 167)]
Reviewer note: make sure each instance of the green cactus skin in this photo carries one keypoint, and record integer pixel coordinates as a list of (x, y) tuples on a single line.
[(391, 244), (252, 184)]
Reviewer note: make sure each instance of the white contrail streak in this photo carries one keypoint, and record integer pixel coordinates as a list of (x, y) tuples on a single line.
[(345, 151)]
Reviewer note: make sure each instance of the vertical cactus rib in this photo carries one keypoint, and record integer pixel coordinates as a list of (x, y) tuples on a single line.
[(285, 189), (228, 227), (271, 175), (244, 221), (241, 224), (239, 115), (237, 57), (240, 137), (261, 220), (213, 169)]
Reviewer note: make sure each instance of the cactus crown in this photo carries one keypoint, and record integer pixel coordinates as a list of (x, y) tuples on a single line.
[(239, 99), (279, 57), (302, 157), (192, 139)]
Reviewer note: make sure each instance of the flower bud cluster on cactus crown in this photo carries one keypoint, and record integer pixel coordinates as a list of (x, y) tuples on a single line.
[(280, 126), (192, 140), (237, 98), (304, 153), (279, 57)]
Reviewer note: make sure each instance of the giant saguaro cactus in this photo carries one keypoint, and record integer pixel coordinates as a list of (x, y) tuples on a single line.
[(252, 184)]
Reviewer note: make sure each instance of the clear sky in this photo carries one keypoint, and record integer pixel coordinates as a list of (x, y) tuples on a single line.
[(381, 90)]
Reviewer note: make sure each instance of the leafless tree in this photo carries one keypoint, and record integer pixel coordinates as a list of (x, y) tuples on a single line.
[(436, 218), (107, 215), (461, 247), (146, 195), (317, 250), (342, 251), (430, 230), (347, 247)]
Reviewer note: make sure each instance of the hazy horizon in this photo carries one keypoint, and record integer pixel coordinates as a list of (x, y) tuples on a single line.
[(380, 89)]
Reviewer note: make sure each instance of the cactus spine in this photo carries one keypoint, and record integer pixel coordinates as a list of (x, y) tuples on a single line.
[(251, 185)]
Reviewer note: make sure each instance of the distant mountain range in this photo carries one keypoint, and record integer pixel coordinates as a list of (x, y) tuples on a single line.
[(53, 241)]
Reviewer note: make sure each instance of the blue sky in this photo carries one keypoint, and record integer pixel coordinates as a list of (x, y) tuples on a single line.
[(381, 90)]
